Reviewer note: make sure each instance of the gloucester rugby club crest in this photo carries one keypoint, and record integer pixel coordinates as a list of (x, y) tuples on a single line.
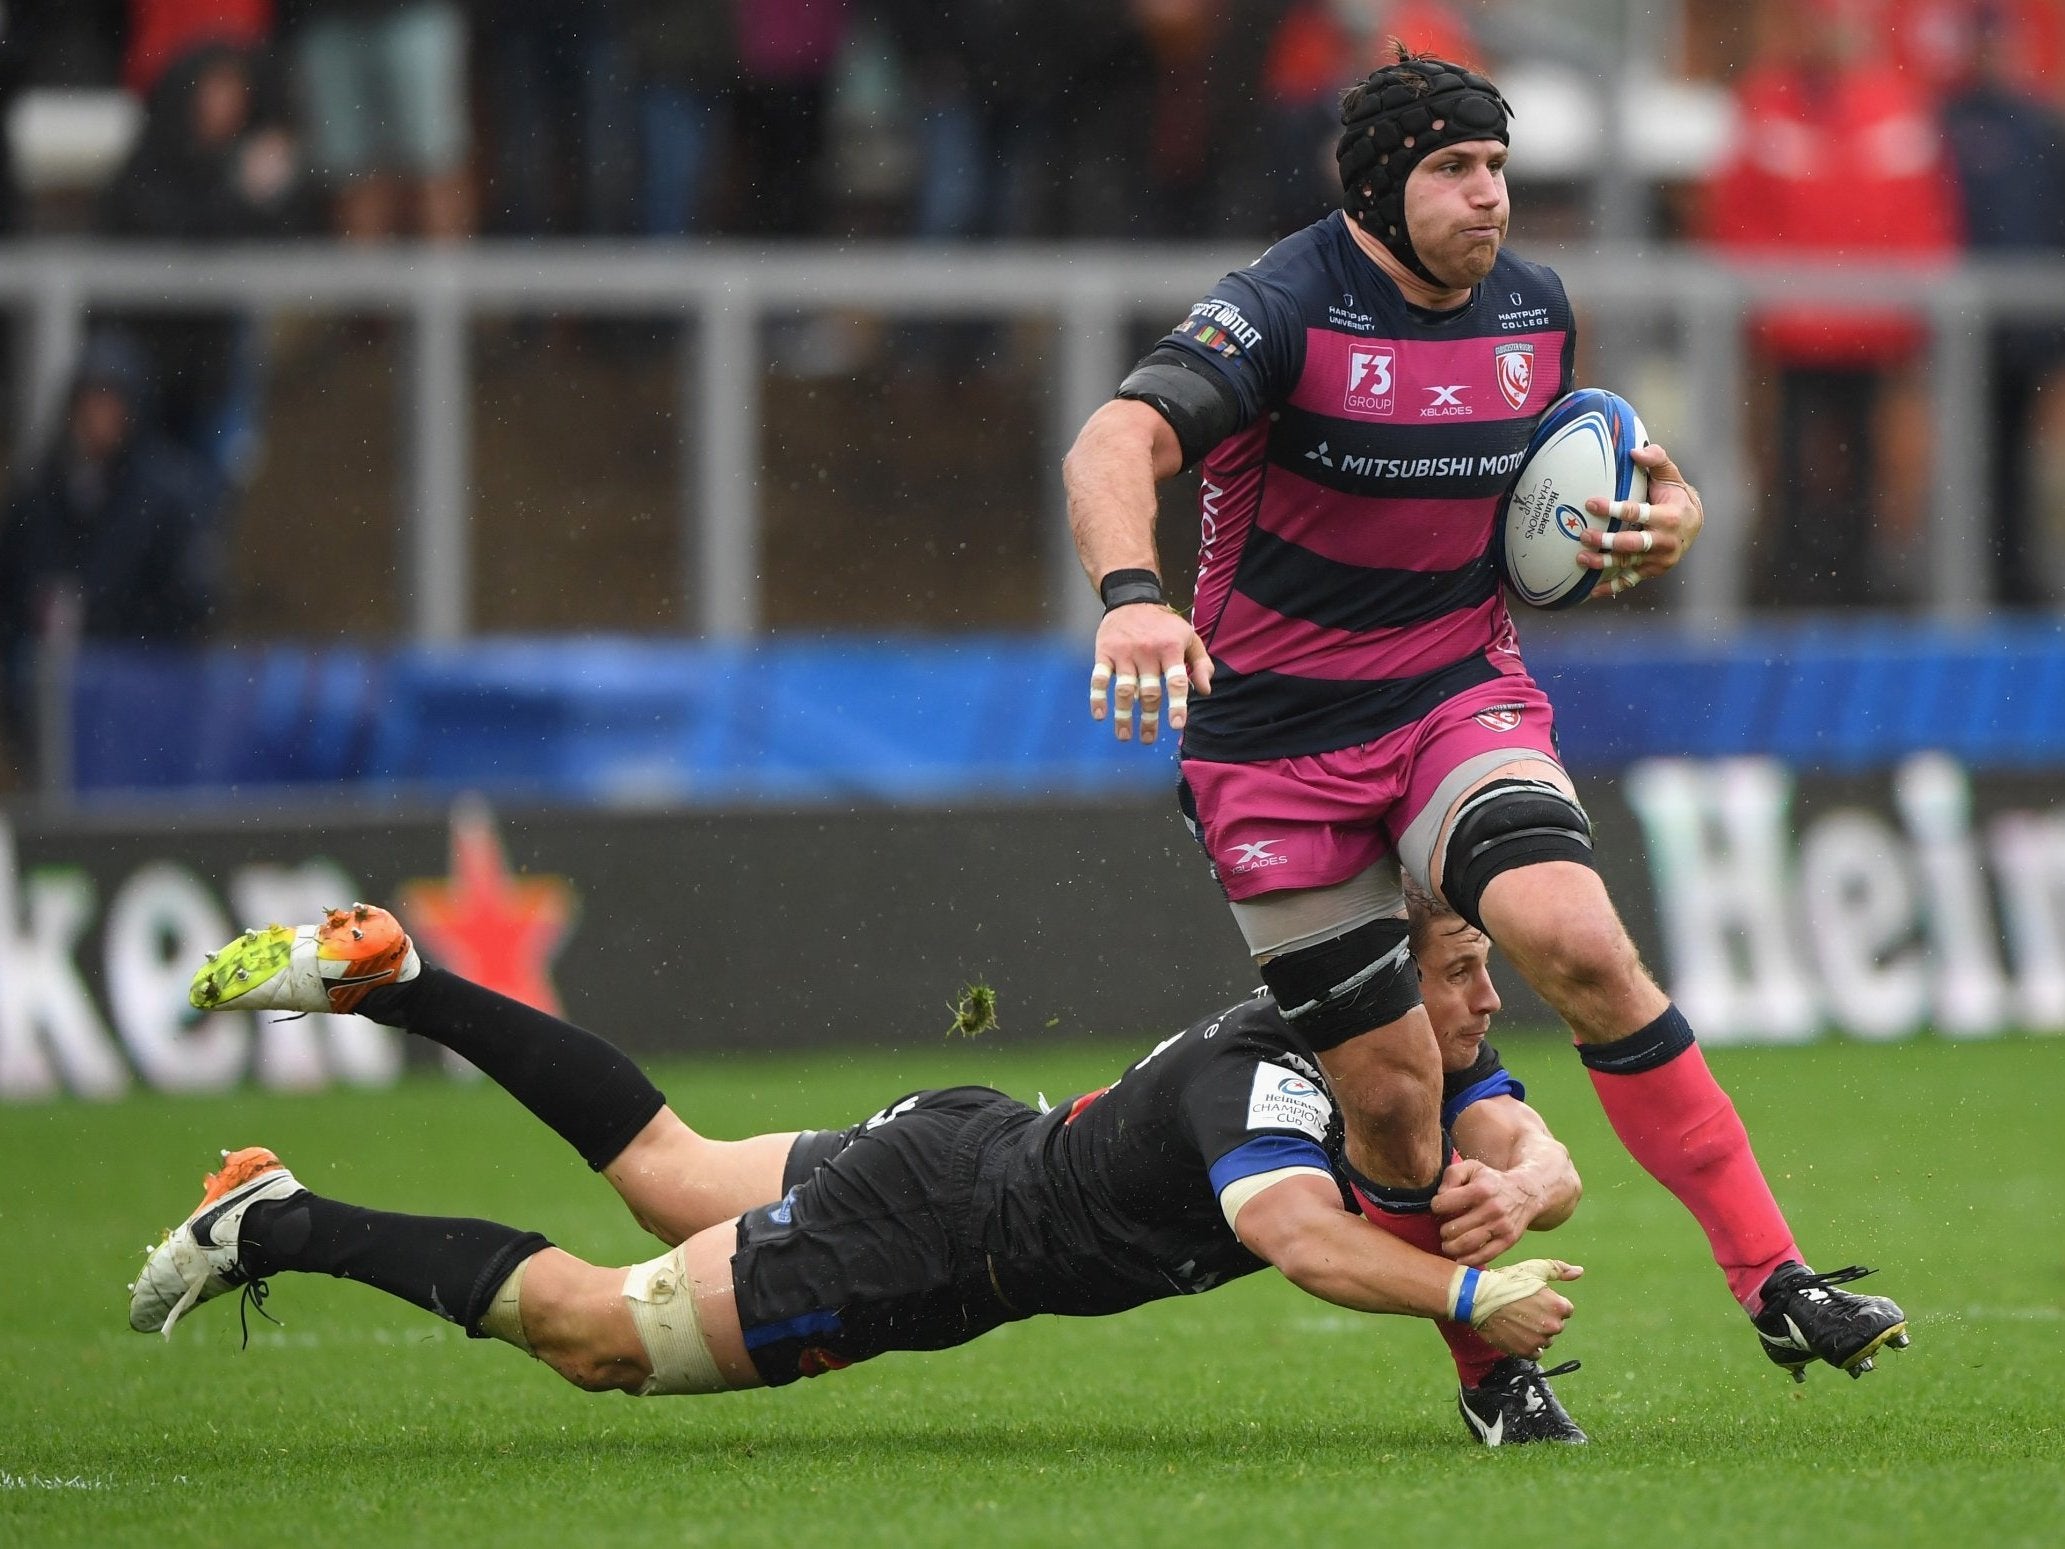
[(1501, 718), (1515, 363)]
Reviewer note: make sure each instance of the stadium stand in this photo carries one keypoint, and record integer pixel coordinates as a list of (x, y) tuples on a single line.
[(616, 722)]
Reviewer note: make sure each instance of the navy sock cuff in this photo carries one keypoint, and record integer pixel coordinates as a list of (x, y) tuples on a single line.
[(1392, 1198), (1662, 1041)]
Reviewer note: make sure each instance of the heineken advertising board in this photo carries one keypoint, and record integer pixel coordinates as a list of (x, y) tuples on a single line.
[(1774, 908)]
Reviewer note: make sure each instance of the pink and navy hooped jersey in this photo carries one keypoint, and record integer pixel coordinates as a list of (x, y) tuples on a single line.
[(1346, 584)]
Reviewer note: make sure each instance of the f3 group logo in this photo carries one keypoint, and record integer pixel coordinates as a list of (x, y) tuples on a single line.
[(1371, 379)]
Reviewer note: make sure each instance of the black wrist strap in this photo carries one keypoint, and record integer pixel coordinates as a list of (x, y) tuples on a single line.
[(1120, 587)]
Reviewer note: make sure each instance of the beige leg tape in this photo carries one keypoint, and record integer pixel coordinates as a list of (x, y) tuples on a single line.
[(504, 1318), (663, 1305)]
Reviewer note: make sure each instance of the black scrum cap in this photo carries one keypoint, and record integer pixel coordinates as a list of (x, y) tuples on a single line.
[(1399, 103)]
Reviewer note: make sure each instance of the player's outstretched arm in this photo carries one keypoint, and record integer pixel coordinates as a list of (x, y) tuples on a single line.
[(1123, 451), (1514, 1177), (1298, 1225)]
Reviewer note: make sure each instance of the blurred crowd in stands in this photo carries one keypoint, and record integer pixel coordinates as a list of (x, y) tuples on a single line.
[(1914, 131), (934, 118), (1917, 128)]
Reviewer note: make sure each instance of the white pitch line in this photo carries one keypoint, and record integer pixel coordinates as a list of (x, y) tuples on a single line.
[(47, 1482)]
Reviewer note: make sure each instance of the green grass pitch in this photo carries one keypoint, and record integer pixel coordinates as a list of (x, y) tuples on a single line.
[(1250, 1415)]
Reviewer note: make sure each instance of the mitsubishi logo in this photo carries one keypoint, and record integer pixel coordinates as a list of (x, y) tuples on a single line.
[(1319, 455)]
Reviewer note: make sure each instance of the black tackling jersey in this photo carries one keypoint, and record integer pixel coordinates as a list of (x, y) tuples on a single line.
[(953, 1211), (1112, 1199)]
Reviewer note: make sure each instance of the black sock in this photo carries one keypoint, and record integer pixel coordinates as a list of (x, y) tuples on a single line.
[(448, 1265), (590, 1092)]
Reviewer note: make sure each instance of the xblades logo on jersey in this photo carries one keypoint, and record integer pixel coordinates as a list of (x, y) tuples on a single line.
[(1447, 402)]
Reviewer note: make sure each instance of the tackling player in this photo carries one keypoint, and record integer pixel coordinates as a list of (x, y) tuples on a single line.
[(945, 1215), (1510, 1174), (1358, 399)]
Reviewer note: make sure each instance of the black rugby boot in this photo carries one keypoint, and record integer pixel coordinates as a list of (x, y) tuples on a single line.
[(1514, 1405), (1806, 1319)]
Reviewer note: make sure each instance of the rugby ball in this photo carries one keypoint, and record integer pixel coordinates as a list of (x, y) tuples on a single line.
[(1581, 448)]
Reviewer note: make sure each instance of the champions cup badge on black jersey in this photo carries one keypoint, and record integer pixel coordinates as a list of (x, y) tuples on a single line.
[(1500, 717), (1515, 363)]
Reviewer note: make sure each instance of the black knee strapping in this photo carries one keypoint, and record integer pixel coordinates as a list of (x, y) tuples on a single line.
[(1343, 988), (1506, 824)]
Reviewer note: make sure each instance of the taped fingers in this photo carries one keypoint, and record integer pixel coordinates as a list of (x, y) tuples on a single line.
[(1125, 691), (1119, 694), (1635, 512), (1627, 545), (1150, 705), (1179, 695)]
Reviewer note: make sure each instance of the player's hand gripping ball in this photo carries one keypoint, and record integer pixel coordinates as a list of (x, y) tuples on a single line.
[(1583, 449)]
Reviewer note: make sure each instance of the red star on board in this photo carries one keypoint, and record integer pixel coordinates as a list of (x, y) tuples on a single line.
[(487, 924)]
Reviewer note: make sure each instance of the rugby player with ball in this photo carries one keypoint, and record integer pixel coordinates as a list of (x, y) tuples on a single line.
[(1349, 686)]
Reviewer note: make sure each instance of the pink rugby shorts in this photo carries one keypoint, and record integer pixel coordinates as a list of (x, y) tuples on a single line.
[(1322, 818)]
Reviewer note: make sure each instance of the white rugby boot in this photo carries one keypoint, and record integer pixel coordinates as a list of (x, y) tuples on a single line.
[(199, 1258)]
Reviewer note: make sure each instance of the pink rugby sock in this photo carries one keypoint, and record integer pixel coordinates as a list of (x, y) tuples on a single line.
[(1676, 1121), (1475, 1355)]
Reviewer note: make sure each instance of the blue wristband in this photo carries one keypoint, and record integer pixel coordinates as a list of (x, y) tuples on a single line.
[(1466, 1298)]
